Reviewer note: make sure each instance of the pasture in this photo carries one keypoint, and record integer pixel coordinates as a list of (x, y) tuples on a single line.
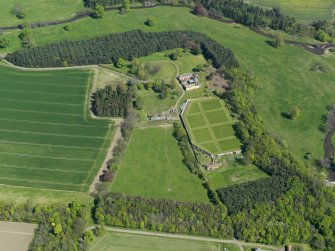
[(152, 103), (302, 10), (38, 10), (283, 76), (135, 242), (47, 139), (210, 125), (153, 167)]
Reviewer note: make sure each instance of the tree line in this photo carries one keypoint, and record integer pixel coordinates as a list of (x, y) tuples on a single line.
[(128, 45), (106, 3), (162, 215)]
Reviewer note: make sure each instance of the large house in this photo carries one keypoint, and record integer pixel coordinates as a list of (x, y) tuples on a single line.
[(189, 81)]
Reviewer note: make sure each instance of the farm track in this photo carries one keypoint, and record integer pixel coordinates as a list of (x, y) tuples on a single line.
[(117, 135), (187, 237)]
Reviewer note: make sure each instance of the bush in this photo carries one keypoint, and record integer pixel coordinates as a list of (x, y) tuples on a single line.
[(294, 113), (121, 62), (278, 41), (126, 6), (67, 27), (173, 56), (322, 36), (4, 42), (20, 15), (98, 12), (151, 21), (200, 10)]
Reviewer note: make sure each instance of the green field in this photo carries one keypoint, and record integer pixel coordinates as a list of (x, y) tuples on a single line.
[(153, 167), (302, 10), (184, 64), (152, 102), (133, 242), (38, 10), (167, 70), (46, 137), (234, 173), (283, 76), (210, 126)]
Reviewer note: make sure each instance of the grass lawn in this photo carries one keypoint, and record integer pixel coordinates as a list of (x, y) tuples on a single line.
[(108, 77), (152, 103), (234, 173), (211, 127), (185, 64), (302, 10), (38, 10), (153, 167), (167, 70), (47, 139), (133, 242), (283, 75)]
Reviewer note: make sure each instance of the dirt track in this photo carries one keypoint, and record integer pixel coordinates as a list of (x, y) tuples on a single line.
[(117, 135)]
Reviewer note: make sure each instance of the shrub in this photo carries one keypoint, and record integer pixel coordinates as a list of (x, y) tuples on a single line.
[(200, 10), (322, 36), (294, 113), (98, 12), (151, 21), (4, 42), (126, 6), (67, 27), (121, 62), (278, 41), (20, 15), (173, 56)]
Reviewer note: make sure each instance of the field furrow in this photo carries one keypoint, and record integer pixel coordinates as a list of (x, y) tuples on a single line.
[(56, 130)]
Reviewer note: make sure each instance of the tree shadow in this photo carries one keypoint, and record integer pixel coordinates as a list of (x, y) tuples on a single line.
[(268, 42), (285, 115)]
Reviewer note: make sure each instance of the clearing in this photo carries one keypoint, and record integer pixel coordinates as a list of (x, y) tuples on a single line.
[(234, 173), (153, 167), (47, 139), (16, 236), (210, 126)]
